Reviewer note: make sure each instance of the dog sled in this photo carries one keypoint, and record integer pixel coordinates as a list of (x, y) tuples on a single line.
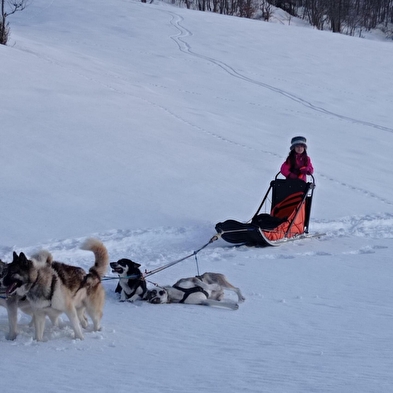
[(285, 208)]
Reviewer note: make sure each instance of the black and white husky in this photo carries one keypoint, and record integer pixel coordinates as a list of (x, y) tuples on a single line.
[(131, 285), (207, 290), (53, 288)]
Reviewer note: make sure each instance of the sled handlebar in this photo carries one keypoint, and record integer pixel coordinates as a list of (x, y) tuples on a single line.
[(312, 177)]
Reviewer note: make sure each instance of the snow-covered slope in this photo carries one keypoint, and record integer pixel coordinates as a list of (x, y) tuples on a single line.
[(144, 125)]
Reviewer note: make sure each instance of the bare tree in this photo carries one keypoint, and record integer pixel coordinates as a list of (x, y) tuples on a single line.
[(267, 10), (316, 13), (9, 7), (337, 12)]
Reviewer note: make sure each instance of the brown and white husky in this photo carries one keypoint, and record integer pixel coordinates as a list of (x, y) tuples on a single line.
[(53, 288)]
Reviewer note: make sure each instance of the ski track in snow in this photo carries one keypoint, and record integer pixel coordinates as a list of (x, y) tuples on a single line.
[(365, 192), (176, 21), (186, 48)]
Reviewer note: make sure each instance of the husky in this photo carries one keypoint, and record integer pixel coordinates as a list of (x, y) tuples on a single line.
[(131, 285), (207, 290), (12, 304), (53, 288)]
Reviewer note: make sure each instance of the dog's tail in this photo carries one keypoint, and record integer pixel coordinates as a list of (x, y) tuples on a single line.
[(42, 258), (101, 264)]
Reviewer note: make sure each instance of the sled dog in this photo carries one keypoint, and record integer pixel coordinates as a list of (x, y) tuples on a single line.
[(11, 304), (207, 290), (53, 288), (131, 285)]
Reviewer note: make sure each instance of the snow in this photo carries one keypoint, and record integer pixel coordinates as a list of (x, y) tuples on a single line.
[(144, 125)]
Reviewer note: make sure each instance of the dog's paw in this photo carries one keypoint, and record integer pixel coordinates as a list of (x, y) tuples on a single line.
[(11, 336)]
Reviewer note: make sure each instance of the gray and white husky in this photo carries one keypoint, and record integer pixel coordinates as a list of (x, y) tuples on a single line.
[(12, 303), (53, 288), (207, 290)]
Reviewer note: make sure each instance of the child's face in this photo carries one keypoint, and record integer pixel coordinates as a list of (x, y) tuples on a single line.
[(299, 149)]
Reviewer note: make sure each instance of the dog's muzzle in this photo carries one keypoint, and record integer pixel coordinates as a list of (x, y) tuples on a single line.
[(156, 296), (155, 300), (116, 268)]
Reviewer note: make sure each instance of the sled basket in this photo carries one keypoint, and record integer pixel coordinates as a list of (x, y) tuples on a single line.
[(288, 203)]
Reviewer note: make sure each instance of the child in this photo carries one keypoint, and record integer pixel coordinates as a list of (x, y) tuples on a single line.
[(298, 164)]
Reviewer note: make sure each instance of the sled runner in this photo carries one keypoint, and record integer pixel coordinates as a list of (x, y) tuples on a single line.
[(287, 208)]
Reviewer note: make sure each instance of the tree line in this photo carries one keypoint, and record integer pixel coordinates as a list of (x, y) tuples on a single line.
[(342, 16), (350, 17)]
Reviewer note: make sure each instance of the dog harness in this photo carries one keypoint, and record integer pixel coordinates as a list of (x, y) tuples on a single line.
[(189, 291), (133, 292)]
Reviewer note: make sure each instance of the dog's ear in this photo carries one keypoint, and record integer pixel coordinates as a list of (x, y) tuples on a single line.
[(23, 259), (14, 257), (132, 263)]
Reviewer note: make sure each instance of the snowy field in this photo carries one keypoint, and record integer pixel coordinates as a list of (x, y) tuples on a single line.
[(144, 125)]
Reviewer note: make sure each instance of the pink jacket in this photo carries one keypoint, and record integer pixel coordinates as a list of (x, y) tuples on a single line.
[(302, 168)]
